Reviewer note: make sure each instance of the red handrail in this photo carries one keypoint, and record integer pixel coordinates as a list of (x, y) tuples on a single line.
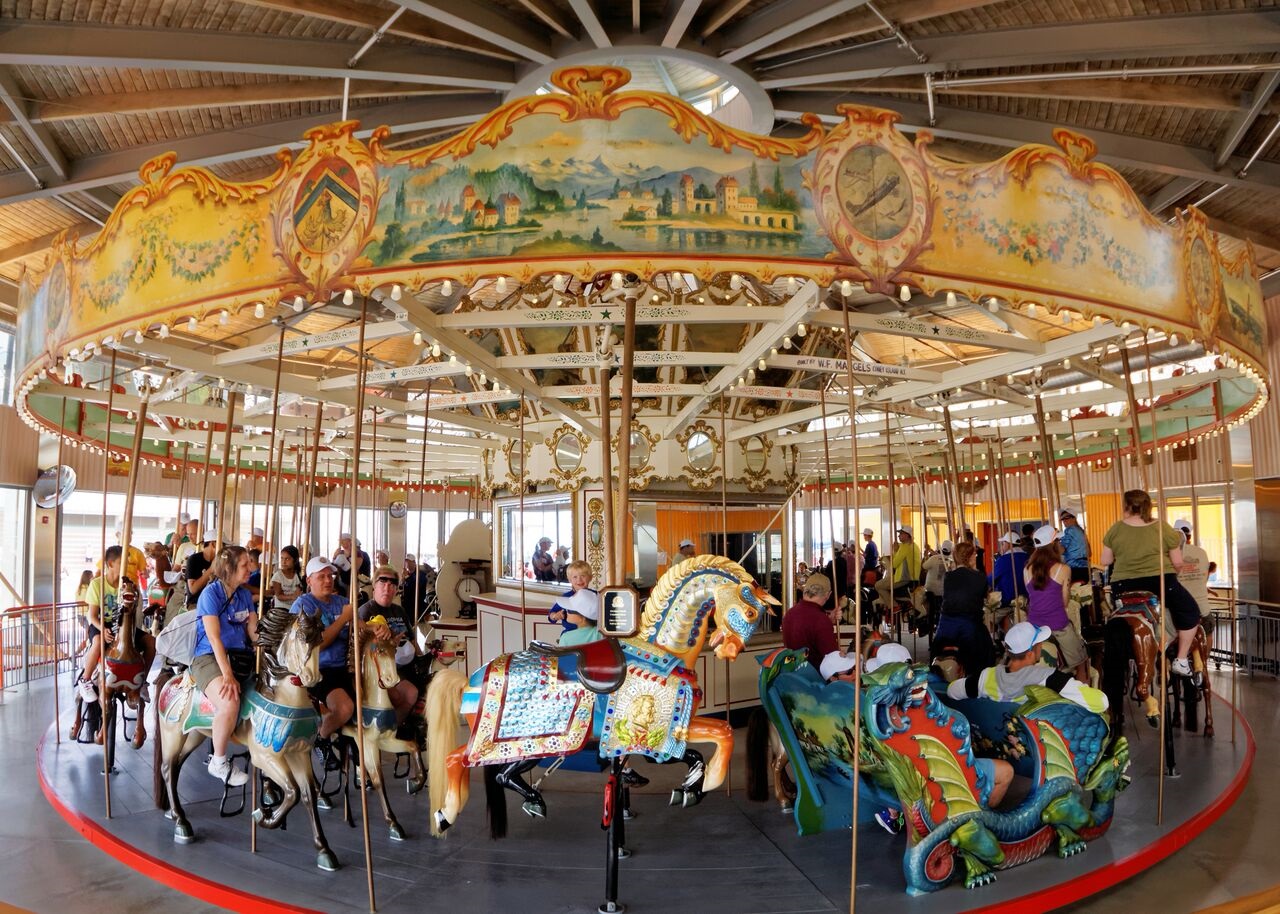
[(18, 610)]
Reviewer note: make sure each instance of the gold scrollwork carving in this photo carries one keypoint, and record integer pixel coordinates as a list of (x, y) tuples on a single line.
[(755, 462), (517, 470), (595, 536), (568, 448), (643, 442)]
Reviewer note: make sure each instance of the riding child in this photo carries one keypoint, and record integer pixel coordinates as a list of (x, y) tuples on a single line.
[(579, 608)]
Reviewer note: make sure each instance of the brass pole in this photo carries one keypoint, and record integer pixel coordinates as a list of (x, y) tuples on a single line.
[(857, 612), (226, 457), (182, 498), (124, 564), (422, 496), (1133, 419), (521, 540), (955, 464), (836, 587), (1049, 465), (1160, 523), (1228, 490), (623, 555), (235, 502), (305, 536), (353, 590), (57, 568), (893, 517), (724, 540), (606, 471), (204, 483), (253, 488)]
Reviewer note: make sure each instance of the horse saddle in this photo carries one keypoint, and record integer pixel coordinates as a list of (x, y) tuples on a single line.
[(600, 665), (1137, 598)]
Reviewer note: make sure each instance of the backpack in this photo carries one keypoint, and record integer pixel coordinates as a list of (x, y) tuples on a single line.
[(178, 640)]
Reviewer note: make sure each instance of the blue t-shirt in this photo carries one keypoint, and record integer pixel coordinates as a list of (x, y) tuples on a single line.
[(233, 616), (1006, 575), (335, 655)]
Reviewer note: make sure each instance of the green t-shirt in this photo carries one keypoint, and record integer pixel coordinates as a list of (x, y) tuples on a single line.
[(1135, 548)]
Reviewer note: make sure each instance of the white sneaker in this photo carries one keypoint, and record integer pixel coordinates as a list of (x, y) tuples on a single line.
[(1181, 667), (88, 693), (223, 770)]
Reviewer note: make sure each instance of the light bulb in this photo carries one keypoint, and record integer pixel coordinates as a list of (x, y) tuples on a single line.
[(762, 364), (192, 324), (773, 350), (467, 369), (735, 282), (786, 342), (616, 281), (348, 297), (224, 318), (298, 304), (558, 282), (1031, 309), (446, 288), (484, 379), (417, 337), (904, 292), (435, 350), (259, 311), (1173, 339), (496, 387), (453, 358), (951, 299), (792, 286), (751, 374), (801, 330), (164, 331), (992, 305), (846, 288), (502, 284), (395, 292)]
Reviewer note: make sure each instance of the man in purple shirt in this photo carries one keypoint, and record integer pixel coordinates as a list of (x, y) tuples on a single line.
[(808, 625)]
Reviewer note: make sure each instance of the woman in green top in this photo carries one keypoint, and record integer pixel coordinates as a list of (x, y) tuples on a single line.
[(1134, 545)]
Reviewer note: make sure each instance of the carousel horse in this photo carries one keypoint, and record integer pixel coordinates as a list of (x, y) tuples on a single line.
[(637, 695), (278, 723), (924, 749), (125, 675), (1131, 635)]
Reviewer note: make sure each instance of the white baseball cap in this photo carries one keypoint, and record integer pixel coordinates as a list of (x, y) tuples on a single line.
[(906, 528), (836, 662), (1182, 524), (184, 518), (867, 531), (837, 545), (210, 536), (1011, 538), (410, 557), (1024, 636), (343, 536), (317, 563), (946, 546), (257, 531), (890, 652), (684, 543), (1044, 535), (585, 603)]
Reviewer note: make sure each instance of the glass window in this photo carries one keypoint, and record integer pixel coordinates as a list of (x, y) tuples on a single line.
[(521, 532), (422, 536), (6, 367), (814, 530), (1208, 531), (370, 528), (14, 504), (154, 518)]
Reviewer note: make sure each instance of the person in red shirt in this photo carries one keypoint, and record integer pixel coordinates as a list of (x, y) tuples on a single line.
[(808, 625)]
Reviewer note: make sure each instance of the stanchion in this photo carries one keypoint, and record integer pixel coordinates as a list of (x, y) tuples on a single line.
[(102, 583), (857, 617)]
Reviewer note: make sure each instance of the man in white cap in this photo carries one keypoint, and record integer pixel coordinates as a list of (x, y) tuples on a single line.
[(840, 666), (905, 567), (335, 688), (255, 539), (1006, 575), (688, 549), (1193, 574), (183, 519), (1075, 546), (190, 542), (1021, 668)]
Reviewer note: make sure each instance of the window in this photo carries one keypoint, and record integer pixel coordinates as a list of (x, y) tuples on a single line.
[(14, 504), (1208, 531), (154, 518), (370, 529), (814, 530), (521, 532), (422, 536), (6, 367)]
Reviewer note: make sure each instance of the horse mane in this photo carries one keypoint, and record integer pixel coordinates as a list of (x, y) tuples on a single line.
[(668, 588), (272, 628)]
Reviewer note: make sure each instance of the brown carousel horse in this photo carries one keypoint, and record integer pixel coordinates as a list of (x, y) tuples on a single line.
[(1131, 636), (125, 670)]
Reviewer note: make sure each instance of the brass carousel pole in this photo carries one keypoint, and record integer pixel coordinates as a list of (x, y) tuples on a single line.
[(724, 538), (253, 487), (606, 468), (182, 499), (893, 517), (1219, 414), (305, 533), (204, 484), (836, 587), (226, 458), (523, 470), (422, 496), (955, 465), (1135, 428), (624, 554), (1164, 657), (102, 585), (57, 567), (1049, 466), (353, 591), (857, 609), (264, 574), (235, 502)]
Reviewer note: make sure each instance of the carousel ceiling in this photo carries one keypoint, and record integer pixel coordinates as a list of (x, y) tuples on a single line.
[(1178, 100)]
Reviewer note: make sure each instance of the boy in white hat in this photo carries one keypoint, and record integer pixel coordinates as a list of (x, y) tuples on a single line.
[(688, 549), (578, 609), (1194, 573), (1021, 668)]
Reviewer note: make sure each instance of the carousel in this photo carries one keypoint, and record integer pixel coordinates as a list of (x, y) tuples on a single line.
[(602, 319)]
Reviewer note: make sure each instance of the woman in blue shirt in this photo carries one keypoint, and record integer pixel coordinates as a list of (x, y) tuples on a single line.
[(223, 658)]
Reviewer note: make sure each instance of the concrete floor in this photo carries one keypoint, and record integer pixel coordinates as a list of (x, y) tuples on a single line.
[(46, 866)]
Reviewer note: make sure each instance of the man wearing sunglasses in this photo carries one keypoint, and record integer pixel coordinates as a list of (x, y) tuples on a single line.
[(394, 630)]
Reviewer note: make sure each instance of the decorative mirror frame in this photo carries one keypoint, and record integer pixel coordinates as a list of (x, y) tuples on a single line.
[(567, 480), (640, 476), (700, 478), (508, 449), (757, 481), (595, 551)]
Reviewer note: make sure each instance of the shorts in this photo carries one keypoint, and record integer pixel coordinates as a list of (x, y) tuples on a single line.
[(204, 668), (1181, 607), (1071, 648), (92, 632), (333, 677)]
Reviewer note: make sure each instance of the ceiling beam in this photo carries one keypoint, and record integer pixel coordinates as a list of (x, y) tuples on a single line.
[(1243, 120), (933, 331), (722, 14), (679, 14), (1243, 233), (1105, 90), (864, 22), (577, 314), (49, 44), (486, 23), (36, 245), (365, 15), (231, 145), (813, 363), (549, 17), (1170, 194), (778, 21), (37, 135), (589, 360), (1115, 149), (1233, 34), (590, 22)]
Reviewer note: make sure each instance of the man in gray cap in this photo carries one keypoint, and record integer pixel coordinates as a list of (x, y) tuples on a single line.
[(1075, 547), (688, 549)]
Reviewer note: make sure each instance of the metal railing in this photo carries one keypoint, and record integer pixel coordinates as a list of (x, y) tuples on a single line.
[(1256, 632), (39, 641)]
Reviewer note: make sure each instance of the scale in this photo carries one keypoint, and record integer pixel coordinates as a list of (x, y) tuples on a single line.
[(470, 585)]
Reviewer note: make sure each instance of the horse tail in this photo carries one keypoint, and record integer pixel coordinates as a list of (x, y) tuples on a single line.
[(495, 797), (758, 756), (159, 789), (1116, 654), (443, 704)]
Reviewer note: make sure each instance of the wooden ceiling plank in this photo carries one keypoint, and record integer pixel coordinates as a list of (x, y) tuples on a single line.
[(11, 96), (591, 23), (486, 23), (1105, 91), (547, 16), (781, 20), (676, 23), (864, 22), (722, 14)]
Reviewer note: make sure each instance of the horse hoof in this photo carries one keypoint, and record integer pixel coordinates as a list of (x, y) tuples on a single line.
[(676, 796), (534, 809), (414, 787), (396, 833), (787, 809), (182, 834), (624, 853), (692, 799), (326, 861), (442, 824)]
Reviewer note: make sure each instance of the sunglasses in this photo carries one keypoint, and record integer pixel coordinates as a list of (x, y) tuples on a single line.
[(386, 580)]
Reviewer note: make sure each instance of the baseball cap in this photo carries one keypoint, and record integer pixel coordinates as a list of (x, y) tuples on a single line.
[(386, 571), (257, 531), (210, 536), (906, 528), (585, 603), (1044, 535), (890, 652), (343, 536), (686, 542), (318, 563), (835, 662), (410, 557), (1065, 513), (1011, 538), (867, 531), (946, 546), (818, 579), (1182, 524), (1024, 636), (184, 518), (837, 545)]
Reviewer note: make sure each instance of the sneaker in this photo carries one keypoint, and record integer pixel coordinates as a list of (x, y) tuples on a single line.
[(1181, 667), (223, 770), (891, 820), (633, 778), (88, 693)]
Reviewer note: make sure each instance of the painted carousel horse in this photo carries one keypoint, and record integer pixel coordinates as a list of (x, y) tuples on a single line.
[(1131, 635), (924, 749), (636, 696), (278, 723), (125, 673)]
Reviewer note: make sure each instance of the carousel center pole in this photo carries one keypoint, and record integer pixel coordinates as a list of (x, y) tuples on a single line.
[(1229, 558), (422, 495), (57, 569), (606, 465), (353, 592)]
